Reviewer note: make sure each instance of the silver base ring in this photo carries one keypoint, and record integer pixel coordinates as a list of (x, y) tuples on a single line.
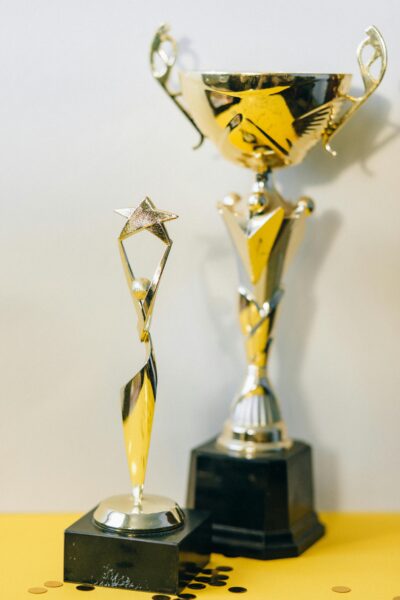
[(121, 514), (253, 441)]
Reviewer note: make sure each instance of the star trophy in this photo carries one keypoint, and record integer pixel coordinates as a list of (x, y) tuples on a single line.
[(255, 479), (137, 541)]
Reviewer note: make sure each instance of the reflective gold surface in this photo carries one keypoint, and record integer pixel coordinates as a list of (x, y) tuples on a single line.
[(267, 120), (265, 231), (139, 394), (264, 121), (134, 512)]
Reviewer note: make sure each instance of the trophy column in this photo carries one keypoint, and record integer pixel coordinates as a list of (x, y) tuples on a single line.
[(265, 231), (256, 481)]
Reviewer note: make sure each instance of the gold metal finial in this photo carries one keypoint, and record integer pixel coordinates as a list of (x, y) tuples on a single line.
[(376, 43), (375, 40), (163, 55)]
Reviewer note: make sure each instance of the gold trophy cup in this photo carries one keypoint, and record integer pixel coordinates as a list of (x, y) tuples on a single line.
[(262, 121)]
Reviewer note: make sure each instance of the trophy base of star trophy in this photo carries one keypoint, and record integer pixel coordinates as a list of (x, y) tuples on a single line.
[(262, 507), (162, 560)]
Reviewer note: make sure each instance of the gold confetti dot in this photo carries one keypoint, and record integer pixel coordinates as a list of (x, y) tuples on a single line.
[(341, 589), (37, 590), (53, 584)]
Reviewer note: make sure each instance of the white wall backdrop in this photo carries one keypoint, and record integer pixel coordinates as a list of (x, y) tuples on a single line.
[(85, 129)]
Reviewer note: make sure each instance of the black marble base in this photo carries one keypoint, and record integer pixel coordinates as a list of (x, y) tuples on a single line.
[(261, 507), (163, 562)]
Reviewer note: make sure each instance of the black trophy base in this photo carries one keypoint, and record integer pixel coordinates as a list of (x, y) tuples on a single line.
[(261, 507), (162, 562)]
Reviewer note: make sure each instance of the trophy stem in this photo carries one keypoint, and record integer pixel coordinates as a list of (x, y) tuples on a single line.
[(135, 512), (137, 495), (266, 230)]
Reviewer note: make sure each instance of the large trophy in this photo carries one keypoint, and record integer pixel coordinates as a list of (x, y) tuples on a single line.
[(255, 479), (138, 541)]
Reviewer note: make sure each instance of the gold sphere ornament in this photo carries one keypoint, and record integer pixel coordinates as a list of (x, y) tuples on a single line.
[(140, 287)]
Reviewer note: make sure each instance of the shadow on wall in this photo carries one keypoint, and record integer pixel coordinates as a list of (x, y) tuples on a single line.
[(294, 332), (365, 134), (187, 59), (220, 302)]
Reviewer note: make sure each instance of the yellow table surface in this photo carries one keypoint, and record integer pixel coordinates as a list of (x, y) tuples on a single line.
[(360, 551)]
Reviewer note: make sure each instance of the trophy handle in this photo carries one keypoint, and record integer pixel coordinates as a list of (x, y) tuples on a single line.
[(162, 73), (375, 40)]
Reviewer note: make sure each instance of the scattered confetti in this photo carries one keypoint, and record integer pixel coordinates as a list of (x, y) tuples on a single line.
[(53, 584), (196, 586), (217, 583), (341, 589), (237, 590), (37, 590), (85, 588), (213, 577), (161, 597)]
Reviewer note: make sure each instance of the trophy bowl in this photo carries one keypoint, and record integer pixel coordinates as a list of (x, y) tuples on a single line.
[(267, 120), (264, 120)]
